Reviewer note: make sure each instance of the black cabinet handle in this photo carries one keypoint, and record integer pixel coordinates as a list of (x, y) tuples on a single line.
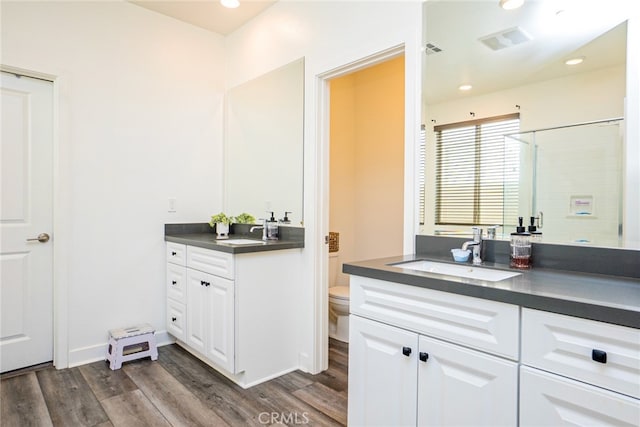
[(423, 356), (174, 253), (406, 351), (599, 356), (203, 283), (173, 282), (173, 319)]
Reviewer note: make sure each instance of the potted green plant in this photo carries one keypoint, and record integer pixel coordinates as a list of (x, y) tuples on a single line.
[(245, 218), (221, 222)]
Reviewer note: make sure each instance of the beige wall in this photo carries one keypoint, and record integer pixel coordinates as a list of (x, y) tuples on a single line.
[(367, 162)]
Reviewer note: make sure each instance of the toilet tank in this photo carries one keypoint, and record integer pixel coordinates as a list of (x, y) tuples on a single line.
[(333, 269)]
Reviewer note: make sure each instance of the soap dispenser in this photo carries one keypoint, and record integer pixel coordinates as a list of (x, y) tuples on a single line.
[(286, 219), (272, 227), (536, 236), (520, 254)]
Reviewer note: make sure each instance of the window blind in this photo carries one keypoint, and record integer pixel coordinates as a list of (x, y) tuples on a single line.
[(477, 173)]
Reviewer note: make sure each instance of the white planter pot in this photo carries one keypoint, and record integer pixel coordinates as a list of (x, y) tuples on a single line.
[(222, 230)]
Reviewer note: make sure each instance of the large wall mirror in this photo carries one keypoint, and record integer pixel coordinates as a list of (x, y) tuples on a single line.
[(264, 145), (570, 143)]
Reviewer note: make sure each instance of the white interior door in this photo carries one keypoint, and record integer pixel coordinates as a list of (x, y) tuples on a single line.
[(26, 221)]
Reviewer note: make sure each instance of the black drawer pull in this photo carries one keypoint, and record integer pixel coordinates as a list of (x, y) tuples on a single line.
[(423, 356), (599, 356), (173, 319), (174, 253), (406, 351), (173, 282), (203, 283)]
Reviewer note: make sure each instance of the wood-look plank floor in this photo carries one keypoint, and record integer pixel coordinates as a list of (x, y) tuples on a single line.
[(176, 390)]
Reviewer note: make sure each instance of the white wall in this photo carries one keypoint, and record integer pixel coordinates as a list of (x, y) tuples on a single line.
[(140, 120), (329, 35), (139, 117)]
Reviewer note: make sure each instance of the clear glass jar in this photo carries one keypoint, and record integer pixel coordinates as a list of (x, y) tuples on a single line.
[(520, 254)]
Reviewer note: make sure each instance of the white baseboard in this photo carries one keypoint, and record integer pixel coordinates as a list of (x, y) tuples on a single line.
[(95, 353)]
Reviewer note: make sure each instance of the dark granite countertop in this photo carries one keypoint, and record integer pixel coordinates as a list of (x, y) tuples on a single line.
[(605, 298), (202, 236)]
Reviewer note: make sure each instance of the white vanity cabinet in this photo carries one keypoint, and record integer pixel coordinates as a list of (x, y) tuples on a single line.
[(578, 372), (235, 311), (414, 357), (423, 357)]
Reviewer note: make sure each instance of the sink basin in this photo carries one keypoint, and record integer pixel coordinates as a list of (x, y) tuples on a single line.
[(466, 271), (240, 242)]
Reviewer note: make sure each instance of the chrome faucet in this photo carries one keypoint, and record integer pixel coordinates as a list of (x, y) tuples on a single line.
[(477, 245), (263, 227)]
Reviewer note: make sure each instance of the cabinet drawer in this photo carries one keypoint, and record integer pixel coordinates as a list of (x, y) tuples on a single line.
[(176, 318), (486, 325), (176, 282), (572, 346), (212, 262), (176, 253), (551, 400)]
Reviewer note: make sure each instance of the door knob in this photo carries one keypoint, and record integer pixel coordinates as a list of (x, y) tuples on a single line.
[(406, 351), (42, 238)]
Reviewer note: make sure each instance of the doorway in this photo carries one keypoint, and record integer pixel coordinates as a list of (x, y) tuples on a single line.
[(366, 170), (26, 222)]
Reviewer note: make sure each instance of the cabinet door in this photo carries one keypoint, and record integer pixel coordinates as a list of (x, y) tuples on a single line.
[(550, 400), (462, 387), (382, 374), (197, 309), (220, 324)]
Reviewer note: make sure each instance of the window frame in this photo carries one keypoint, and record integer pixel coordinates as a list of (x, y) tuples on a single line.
[(475, 154)]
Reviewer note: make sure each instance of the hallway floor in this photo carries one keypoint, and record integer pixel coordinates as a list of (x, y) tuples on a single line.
[(176, 390)]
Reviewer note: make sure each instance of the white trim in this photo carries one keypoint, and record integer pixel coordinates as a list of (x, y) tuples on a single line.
[(631, 175)]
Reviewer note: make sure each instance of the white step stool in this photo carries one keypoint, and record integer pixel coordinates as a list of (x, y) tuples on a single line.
[(131, 343)]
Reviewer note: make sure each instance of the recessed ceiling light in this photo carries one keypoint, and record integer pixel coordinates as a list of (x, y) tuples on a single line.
[(511, 4), (574, 61), (465, 87), (231, 4)]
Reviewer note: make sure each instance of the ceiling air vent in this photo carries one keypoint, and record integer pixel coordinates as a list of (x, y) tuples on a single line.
[(505, 38), (431, 48)]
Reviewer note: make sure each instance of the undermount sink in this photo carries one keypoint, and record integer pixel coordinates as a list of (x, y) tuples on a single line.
[(240, 242), (467, 271)]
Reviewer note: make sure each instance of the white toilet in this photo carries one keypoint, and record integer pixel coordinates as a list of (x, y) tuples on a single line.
[(338, 303)]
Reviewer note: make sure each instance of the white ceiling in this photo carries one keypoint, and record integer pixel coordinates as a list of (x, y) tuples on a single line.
[(207, 14), (586, 28)]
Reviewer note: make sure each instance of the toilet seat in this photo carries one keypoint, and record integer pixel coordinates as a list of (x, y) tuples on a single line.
[(339, 292)]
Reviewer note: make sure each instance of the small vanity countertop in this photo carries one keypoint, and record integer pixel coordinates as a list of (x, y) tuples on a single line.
[(209, 241), (201, 235), (605, 298)]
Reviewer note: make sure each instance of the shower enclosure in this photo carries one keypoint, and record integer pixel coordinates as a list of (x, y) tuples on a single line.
[(570, 179)]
